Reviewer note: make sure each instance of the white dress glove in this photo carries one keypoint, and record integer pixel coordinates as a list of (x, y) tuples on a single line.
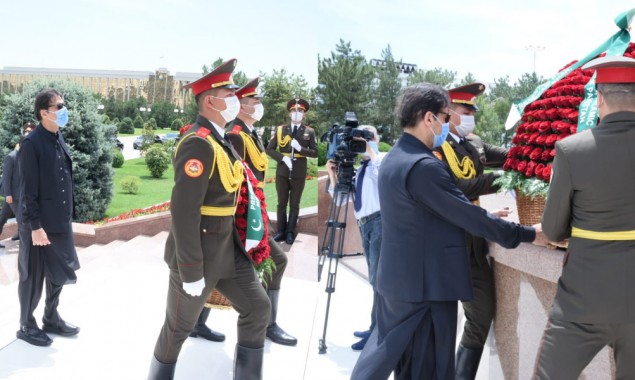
[(296, 145), (194, 288), (287, 162)]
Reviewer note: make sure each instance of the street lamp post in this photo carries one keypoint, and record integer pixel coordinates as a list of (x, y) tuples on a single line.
[(534, 49)]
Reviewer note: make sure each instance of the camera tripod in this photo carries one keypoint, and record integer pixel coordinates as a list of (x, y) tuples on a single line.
[(332, 245)]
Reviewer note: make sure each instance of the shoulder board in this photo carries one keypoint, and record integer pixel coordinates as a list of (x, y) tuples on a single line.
[(237, 129), (437, 155), (203, 132), (307, 127)]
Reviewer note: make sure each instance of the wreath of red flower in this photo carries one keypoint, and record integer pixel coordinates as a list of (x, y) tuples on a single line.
[(262, 251), (550, 118)]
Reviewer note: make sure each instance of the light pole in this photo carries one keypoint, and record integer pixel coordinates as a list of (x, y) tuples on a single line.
[(534, 49)]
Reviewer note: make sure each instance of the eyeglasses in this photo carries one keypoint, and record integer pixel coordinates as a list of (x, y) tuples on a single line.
[(447, 116), (58, 105)]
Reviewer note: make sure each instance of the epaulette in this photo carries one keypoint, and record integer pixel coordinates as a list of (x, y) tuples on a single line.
[(237, 128), (437, 155), (307, 127), (203, 132)]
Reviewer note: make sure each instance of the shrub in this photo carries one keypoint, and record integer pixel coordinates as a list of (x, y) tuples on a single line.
[(322, 150), (151, 124), (384, 147), (312, 168), (130, 184), (126, 126), (157, 160), (105, 120), (176, 124), (138, 122), (117, 158)]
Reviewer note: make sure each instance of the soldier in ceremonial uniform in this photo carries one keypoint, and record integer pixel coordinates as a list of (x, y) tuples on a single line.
[(249, 147), (467, 155), (203, 249), (590, 201), (290, 146)]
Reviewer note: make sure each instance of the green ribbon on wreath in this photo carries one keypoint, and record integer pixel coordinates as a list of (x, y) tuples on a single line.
[(616, 45)]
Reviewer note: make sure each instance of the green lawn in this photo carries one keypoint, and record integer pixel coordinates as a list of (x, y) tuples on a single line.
[(139, 131), (153, 190)]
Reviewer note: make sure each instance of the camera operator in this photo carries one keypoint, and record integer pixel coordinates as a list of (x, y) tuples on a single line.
[(367, 208)]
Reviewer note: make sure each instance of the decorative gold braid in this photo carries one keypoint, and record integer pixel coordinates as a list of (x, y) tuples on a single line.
[(231, 175), (462, 170), (258, 159), (282, 142)]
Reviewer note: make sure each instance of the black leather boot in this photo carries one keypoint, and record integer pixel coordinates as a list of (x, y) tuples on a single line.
[(467, 360), (201, 329), (274, 332), (282, 226), (161, 371), (248, 363)]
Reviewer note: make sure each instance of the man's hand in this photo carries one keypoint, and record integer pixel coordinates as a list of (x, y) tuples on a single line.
[(194, 288), (9, 199), (296, 145), (287, 161), (39, 237), (502, 212), (330, 167), (541, 238)]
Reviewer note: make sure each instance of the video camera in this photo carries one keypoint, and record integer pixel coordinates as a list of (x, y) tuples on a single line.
[(344, 144)]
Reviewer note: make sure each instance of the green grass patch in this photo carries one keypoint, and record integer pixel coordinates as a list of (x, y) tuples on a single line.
[(139, 131)]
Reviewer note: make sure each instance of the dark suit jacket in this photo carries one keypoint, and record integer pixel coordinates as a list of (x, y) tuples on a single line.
[(424, 217), (46, 182), (11, 176), (592, 188), (306, 137)]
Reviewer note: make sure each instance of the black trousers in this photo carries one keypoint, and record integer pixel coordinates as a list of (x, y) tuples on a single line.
[(244, 291), (479, 313), (7, 212), (289, 193), (30, 292), (416, 340), (280, 258)]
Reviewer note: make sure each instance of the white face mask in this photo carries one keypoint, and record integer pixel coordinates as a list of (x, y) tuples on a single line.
[(259, 110), (467, 125), (297, 116), (232, 107)]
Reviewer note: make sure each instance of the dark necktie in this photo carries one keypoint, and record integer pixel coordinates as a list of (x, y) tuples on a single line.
[(359, 184), (295, 129)]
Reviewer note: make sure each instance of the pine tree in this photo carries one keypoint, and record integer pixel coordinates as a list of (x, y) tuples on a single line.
[(89, 141)]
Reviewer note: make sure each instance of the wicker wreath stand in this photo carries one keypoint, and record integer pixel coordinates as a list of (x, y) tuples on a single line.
[(530, 209), (217, 301)]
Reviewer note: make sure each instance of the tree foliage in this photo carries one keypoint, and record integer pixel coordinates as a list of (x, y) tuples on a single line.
[(438, 75), (90, 142)]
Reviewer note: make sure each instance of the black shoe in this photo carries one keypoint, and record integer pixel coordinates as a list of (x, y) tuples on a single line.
[(290, 238), (278, 335), (33, 336), (280, 236), (362, 334), (2, 246), (359, 345), (467, 361), (206, 333), (15, 237), (62, 328)]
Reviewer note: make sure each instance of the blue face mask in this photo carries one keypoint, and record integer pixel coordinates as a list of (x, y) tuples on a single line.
[(440, 138), (61, 117)]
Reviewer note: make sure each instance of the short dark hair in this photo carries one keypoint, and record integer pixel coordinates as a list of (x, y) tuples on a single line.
[(199, 98), (618, 96), (417, 100), (43, 101)]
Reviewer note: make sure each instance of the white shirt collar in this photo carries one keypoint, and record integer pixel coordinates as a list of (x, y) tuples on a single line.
[(220, 130), (455, 137), (249, 127)]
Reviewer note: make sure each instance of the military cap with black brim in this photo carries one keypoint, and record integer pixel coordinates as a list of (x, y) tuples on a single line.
[(465, 95), (298, 102), (250, 90), (220, 77), (609, 70)]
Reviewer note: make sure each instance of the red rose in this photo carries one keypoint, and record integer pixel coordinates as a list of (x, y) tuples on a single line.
[(545, 156), (552, 152), (529, 171), (546, 173), (551, 140), (538, 170), (545, 126), (541, 139), (522, 165), (242, 235), (527, 150), (241, 223), (535, 154)]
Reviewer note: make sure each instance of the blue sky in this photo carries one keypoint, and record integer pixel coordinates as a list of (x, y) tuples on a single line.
[(485, 37)]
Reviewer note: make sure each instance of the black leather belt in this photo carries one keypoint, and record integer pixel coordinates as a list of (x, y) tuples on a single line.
[(365, 219)]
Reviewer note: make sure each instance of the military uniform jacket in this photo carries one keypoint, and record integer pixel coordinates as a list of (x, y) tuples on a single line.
[(241, 142), (592, 188), (482, 155), (424, 218), (202, 245), (280, 147)]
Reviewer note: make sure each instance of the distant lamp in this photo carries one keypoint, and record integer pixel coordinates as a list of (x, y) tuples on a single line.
[(142, 109), (100, 107)]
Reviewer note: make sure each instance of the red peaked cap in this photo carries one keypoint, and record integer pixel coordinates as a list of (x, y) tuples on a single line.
[(249, 90), (465, 95), (612, 69), (220, 77), (298, 102)]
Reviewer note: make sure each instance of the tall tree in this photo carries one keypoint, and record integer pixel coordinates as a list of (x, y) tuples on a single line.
[(385, 96), (438, 75), (344, 84), (467, 79), (525, 85)]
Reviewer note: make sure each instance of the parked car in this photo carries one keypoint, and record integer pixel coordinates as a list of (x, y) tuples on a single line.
[(169, 136), (117, 143), (136, 144)]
